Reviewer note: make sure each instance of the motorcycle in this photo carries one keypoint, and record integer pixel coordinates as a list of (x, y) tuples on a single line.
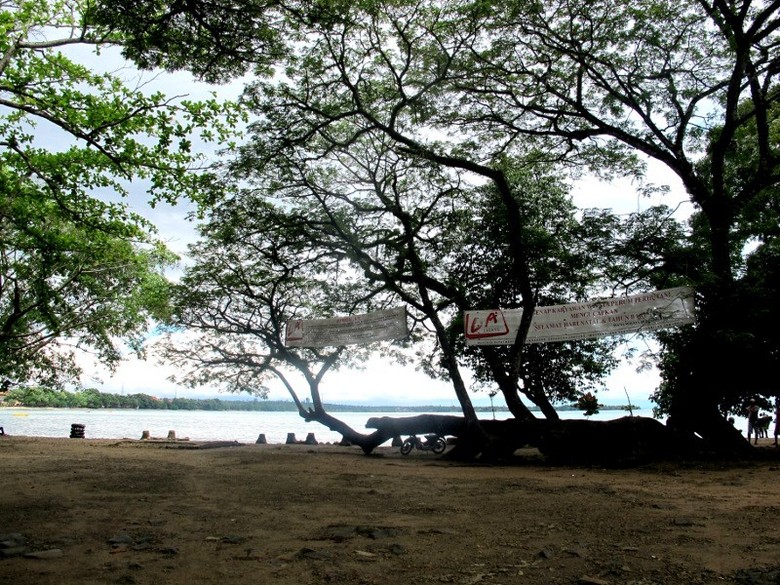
[(433, 443)]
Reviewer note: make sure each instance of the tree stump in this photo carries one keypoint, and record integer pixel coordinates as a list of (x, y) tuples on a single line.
[(261, 439), (291, 440), (145, 435), (171, 435), (310, 440)]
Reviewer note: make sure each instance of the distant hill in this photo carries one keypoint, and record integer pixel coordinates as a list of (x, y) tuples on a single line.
[(32, 397)]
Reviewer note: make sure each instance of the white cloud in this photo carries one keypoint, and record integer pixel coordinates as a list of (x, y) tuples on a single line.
[(622, 195), (380, 383), (134, 376)]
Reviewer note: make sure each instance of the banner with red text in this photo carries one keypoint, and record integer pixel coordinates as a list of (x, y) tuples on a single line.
[(377, 326), (615, 316)]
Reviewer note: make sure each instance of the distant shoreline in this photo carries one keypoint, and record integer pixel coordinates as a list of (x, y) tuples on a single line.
[(286, 406), (90, 398)]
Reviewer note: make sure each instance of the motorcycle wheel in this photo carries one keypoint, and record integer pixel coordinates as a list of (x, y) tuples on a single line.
[(439, 446), (407, 447)]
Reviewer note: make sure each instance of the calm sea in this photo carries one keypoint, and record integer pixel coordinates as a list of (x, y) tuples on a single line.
[(201, 425)]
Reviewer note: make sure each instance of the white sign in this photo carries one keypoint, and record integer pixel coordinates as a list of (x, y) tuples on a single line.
[(642, 312), (377, 326)]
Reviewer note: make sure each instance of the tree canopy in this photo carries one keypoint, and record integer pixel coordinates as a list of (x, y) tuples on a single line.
[(77, 267), (466, 87)]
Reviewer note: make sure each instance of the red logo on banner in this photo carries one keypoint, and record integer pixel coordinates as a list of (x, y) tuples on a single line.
[(294, 330), (481, 324)]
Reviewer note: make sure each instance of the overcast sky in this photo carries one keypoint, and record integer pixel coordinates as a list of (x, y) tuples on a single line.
[(380, 383)]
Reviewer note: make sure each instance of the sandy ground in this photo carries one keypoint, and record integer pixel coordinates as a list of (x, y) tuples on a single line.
[(80, 511)]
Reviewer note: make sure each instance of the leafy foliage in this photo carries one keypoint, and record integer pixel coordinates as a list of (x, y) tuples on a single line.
[(68, 283), (563, 268), (254, 271), (467, 85), (76, 267), (214, 40), (588, 403)]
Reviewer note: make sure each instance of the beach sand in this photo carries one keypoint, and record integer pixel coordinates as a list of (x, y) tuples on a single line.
[(81, 511)]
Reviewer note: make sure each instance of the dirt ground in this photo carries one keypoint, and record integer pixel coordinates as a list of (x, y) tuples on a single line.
[(80, 511)]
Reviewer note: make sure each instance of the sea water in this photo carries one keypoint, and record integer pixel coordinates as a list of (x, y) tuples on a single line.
[(206, 425)]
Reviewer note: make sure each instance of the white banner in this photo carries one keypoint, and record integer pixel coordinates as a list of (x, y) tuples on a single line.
[(377, 326), (642, 312)]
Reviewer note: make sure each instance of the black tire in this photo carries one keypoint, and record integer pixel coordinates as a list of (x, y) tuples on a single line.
[(407, 447), (439, 446)]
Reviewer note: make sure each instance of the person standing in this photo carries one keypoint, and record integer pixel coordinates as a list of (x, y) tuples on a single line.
[(752, 416), (777, 418)]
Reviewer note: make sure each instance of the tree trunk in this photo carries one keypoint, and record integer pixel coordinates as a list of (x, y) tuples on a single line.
[(366, 442), (694, 414), (506, 384), (705, 369), (624, 441), (441, 425)]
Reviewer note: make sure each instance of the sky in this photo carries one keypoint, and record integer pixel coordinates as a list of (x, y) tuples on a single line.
[(380, 383)]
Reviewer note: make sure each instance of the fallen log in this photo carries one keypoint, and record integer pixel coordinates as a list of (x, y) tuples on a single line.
[(502, 437), (623, 441), (441, 425)]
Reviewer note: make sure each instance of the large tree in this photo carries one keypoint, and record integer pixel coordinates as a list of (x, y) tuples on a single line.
[(360, 90), (77, 268), (256, 269), (382, 226), (655, 79), (593, 84), (563, 269), (747, 329)]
